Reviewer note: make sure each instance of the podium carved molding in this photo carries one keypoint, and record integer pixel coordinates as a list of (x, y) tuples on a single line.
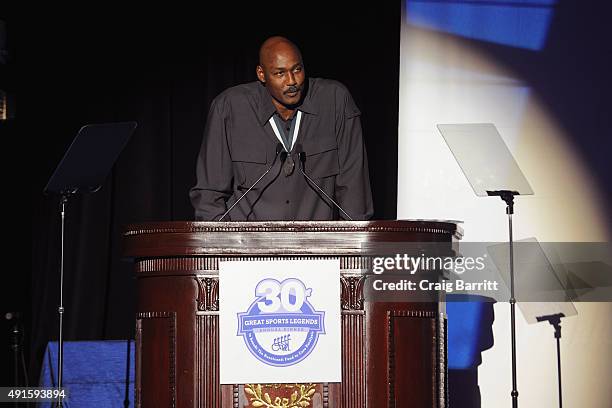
[(351, 292), (208, 294)]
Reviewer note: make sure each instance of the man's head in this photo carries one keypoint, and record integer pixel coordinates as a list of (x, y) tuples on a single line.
[(281, 70)]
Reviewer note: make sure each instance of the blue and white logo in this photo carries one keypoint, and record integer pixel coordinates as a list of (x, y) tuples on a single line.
[(281, 327)]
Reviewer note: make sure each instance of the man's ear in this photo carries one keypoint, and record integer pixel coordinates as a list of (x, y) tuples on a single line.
[(260, 74)]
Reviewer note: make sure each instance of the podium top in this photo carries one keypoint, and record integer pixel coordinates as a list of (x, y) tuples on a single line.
[(154, 239)]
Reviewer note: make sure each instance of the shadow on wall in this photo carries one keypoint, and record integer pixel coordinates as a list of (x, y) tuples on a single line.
[(470, 332)]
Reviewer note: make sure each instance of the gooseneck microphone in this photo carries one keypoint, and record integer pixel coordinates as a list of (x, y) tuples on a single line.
[(302, 158), (283, 154)]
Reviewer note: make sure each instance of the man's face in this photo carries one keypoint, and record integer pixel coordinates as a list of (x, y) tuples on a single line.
[(282, 72)]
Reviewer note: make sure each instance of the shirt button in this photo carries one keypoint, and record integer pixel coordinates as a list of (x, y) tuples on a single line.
[(287, 201)]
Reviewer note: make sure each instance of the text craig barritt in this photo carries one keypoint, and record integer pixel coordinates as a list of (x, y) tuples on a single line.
[(446, 286), (412, 264)]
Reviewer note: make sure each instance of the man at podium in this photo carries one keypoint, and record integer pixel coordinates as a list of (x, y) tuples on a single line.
[(270, 147)]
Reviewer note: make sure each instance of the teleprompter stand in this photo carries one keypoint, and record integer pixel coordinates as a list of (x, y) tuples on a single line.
[(83, 169), (491, 170)]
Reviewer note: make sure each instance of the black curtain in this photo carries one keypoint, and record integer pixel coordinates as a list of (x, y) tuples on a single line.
[(162, 69), (163, 72)]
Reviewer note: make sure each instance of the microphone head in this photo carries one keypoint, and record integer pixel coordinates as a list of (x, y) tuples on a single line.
[(279, 148), (300, 152)]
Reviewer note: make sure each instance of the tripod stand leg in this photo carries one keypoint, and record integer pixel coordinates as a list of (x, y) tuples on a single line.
[(559, 367)]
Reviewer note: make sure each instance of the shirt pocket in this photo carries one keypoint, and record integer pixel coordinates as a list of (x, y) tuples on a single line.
[(321, 158), (249, 162)]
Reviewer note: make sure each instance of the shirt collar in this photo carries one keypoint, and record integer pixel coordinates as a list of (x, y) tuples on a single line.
[(266, 108)]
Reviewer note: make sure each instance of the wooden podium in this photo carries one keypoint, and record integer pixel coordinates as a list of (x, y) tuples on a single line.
[(393, 353)]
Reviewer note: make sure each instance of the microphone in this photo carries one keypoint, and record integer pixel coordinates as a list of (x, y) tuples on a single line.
[(302, 158), (279, 149)]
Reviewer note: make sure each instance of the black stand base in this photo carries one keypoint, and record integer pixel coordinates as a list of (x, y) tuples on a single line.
[(555, 321)]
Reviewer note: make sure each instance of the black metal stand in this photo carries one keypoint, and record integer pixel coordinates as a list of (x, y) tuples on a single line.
[(17, 336), (84, 167), (16, 346), (60, 308), (508, 197), (555, 321), (126, 400)]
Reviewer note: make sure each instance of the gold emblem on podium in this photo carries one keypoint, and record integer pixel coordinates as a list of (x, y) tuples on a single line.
[(284, 395)]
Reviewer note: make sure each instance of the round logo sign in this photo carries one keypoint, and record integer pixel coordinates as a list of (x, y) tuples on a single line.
[(281, 327)]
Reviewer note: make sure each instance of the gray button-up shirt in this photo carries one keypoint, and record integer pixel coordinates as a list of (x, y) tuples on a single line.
[(239, 145)]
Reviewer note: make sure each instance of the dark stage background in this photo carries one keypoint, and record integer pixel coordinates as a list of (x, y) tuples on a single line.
[(162, 70)]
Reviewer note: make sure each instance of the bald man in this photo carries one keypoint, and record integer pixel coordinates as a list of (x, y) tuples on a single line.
[(271, 126)]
